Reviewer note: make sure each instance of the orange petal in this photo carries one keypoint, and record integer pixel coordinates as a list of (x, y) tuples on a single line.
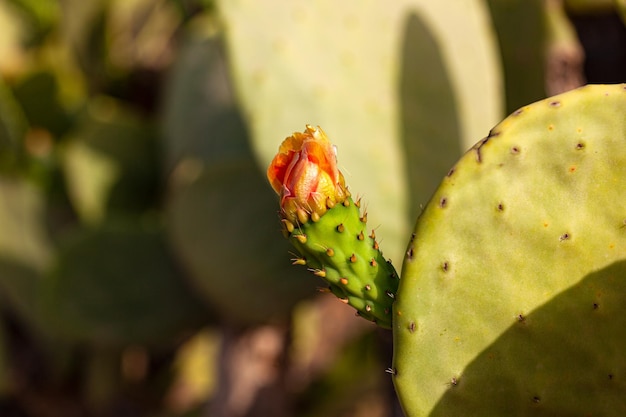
[(277, 170)]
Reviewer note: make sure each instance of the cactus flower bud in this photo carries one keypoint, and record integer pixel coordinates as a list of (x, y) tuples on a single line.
[(333, 245), (304, 174)]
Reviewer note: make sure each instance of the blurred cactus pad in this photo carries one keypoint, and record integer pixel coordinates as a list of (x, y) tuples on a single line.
[(512, 295), (398, 93)]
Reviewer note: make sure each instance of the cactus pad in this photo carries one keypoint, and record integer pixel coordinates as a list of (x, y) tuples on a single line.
[(338, 248), (118, 285), (512, 292), (347, 79)]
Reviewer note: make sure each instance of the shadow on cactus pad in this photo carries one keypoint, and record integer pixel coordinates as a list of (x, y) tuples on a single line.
[(222, 215), (564, 358), (224, 226)]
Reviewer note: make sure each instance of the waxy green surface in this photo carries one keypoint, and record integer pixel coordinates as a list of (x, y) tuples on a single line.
[(338, 248), (512, 295)]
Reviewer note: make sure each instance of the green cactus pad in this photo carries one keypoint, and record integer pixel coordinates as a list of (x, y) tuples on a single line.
[(512, 292), (523, 57), (339, 249), (118, 285), (221, 213), (320, 62)]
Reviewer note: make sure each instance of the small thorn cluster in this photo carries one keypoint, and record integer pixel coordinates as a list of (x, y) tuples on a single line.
[(303, 216)]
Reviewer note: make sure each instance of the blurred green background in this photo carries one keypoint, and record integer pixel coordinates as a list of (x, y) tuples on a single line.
[(142, 271)]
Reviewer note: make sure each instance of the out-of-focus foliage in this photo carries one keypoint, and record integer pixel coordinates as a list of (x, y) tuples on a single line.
[(135, 220), (86, 269)]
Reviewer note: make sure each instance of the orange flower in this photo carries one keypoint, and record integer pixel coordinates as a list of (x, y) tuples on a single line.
[(304, 174)]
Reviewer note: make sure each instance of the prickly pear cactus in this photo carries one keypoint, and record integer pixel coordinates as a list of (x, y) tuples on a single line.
[(523, 57), (513, 286), (338, 249), (117, 285), (218, 199), (327, 228), (328, 78)]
